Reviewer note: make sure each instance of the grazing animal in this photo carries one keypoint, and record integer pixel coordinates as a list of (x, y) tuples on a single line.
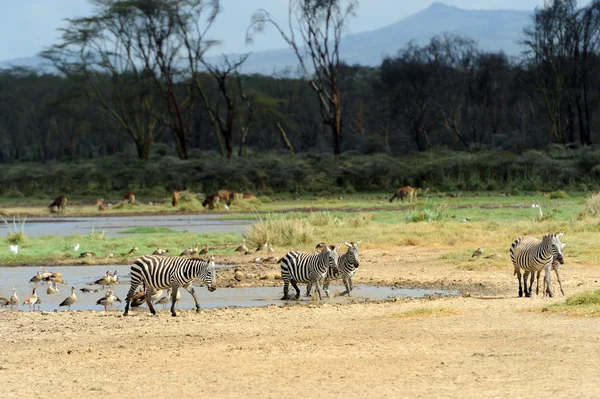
[(70, 300), (160, 272), (249, 197), (211, 200), (406, 191), (346, 268), (225, 196), (300, 267), (31, 300), (175, 198), (101, 205), (477, 253), (60, 203), (243, 248), (533, 255), (129, 197)]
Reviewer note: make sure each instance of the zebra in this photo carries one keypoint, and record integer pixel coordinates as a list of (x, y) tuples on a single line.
[(346, 267), (533, 255), (555, 267), (159, 272), (300, 267)]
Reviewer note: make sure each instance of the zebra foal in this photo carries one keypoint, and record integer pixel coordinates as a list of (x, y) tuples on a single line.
[(300, 267), (346, 267), (157, 272), (533, 255)]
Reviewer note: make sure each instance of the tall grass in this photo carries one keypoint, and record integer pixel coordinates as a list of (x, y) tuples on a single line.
[(16, 233)]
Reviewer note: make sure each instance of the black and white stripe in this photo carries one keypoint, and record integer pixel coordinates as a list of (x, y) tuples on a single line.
[(346, 267), (533, 255), (301, 267), (160, 272)]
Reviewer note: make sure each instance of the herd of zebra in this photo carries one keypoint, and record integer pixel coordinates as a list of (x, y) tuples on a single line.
[(157, 272)]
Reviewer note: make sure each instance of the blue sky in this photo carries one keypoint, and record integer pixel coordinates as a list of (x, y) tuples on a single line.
[(28, 26)]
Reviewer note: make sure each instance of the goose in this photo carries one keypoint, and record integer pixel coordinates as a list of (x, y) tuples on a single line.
[(14, 299), (31, 300), (187, 252), (160, 251), (132, 251), (4, 301), (87, 255), (113, 278), (106, 280), (53, 288), (110, 255), (165, 299), (39, 303), (270, 250), (37, 278), (204, 250), (71, 299), (263, 247), (156, 296), (108, 299), (138, 299), (477, 253), (242, 248)]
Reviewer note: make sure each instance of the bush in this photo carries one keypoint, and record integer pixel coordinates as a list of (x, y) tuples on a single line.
[(592, 205)]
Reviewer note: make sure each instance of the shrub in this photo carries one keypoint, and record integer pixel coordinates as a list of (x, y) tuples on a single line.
[(592, 205)]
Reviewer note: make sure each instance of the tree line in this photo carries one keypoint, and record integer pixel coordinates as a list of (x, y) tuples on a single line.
[(133, 78)]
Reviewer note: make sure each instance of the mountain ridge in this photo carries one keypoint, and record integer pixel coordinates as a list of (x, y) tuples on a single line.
[(493, 30)]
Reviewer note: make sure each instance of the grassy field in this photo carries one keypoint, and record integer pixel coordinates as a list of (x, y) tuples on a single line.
[(458, 224)]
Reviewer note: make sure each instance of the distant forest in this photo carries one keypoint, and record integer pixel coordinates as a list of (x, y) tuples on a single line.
[(131, 79)]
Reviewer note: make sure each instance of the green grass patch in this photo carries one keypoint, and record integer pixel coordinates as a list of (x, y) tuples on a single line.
[(581, 304), (149, 230)]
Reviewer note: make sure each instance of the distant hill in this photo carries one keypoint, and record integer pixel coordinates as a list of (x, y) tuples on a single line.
[(494, 30)]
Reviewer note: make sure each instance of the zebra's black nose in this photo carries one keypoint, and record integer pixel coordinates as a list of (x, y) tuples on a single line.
[(211, 288)]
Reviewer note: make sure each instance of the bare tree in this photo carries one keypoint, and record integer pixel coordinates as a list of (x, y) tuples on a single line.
[(319, 24)]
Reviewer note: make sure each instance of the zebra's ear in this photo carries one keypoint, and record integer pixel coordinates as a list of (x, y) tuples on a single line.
[(560, 235), (347, 244), (563, 244), (358, 243)]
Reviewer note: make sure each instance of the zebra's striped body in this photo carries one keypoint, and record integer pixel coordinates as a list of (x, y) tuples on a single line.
[(160, 272), (300, 267), (533, 255), (346, 267)]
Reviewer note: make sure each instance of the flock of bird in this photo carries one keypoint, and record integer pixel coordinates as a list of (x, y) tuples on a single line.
[(53, 279)]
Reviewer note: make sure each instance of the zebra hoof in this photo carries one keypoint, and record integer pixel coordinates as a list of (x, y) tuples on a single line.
[(285, 298), (173, 314), (126, 314)]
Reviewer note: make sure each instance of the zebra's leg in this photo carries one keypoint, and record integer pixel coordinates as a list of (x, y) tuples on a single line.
[(518, 273), (526, 292), (130, 294), (548, 290), (348, 284), (559, 282), (326, 286), (174, 289), (295, 285), (192, 292), (149, 301), (308, 288), (531, 283), (319, 285), (537, 286), (286, 288)]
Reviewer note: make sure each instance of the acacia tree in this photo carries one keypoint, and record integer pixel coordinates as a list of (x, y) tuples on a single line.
[(138, 48), (319, 24)]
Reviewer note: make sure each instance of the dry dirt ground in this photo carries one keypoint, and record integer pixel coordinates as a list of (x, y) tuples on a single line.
[(486, 342)]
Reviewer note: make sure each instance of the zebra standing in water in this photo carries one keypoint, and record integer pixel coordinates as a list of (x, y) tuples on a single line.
[(300, 267), (160, 272), (533, 255), (346, 267)]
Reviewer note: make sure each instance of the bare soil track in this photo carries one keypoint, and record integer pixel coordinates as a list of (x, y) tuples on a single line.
[(484, 343)]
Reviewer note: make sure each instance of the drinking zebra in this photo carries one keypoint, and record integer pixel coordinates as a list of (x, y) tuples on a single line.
[(346, 267), (300, 267), (160, 272), (533, 255)]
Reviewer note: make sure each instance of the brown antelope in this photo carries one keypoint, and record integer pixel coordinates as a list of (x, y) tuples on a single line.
[(249, 196), (175, 198), (60, 203), (211, 200), (406, 191), (101, 205), (129, 197), (224, 196)]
